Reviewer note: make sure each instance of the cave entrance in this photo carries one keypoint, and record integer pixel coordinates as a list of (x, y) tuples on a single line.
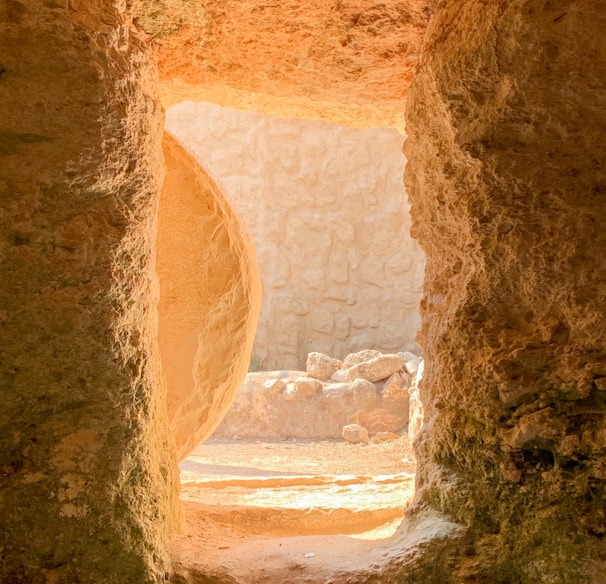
[(329, 219)]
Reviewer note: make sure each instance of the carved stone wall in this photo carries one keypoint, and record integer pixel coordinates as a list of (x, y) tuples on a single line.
[(329, 217), (88, 479), (506, 177)]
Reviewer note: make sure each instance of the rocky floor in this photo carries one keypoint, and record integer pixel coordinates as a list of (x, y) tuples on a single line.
[(260, 509)]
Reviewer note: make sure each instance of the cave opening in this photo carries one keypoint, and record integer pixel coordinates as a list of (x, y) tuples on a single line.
[(505, 158), (310, 192)]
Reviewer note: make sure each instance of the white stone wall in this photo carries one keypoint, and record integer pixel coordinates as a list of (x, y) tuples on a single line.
[(329, 217)]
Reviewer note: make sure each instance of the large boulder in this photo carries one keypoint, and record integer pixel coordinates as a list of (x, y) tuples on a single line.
[(376, 369)]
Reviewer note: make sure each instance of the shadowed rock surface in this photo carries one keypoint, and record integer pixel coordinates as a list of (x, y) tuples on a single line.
[(505, 175), (88, 478)]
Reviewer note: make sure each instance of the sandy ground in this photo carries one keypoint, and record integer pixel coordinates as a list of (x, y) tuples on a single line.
[(254, 508), (257, 456)]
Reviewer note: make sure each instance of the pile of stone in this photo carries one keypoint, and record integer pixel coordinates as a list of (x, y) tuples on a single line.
[(363, 398)]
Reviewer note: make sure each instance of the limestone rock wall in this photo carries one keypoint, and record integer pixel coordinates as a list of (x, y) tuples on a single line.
[(506, 178), (329, 219), (88, 478)]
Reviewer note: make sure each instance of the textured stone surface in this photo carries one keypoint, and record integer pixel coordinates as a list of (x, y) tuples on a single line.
[(349, 61), (303, 408), (395, 396), (416, 409), (507, 134), (376, 369), (321, 366), (328, 214), (210, 298), (307, 386), (377, 420), (360, 356), (355, 434), (506, 177), (88, 478), (365, 394)]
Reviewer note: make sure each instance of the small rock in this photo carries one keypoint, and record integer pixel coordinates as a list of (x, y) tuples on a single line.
[(384, 437), (355, 434), (365, 394), (340, 376), (359, 357), (321, 366), (378, 420), (376, 369)]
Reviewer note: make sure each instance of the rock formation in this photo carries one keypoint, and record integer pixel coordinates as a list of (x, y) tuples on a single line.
[(297, 404), (506, 157), (88, 476), (355, 434), (506, 176), (210, 298), (348, 61)]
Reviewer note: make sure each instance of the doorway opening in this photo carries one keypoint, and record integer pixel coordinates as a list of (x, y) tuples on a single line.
[(306, 452)]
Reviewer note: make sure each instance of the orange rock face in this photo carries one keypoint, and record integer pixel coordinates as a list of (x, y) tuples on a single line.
[(88, 478), (210, 298), (345, 52), (506, 157)]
